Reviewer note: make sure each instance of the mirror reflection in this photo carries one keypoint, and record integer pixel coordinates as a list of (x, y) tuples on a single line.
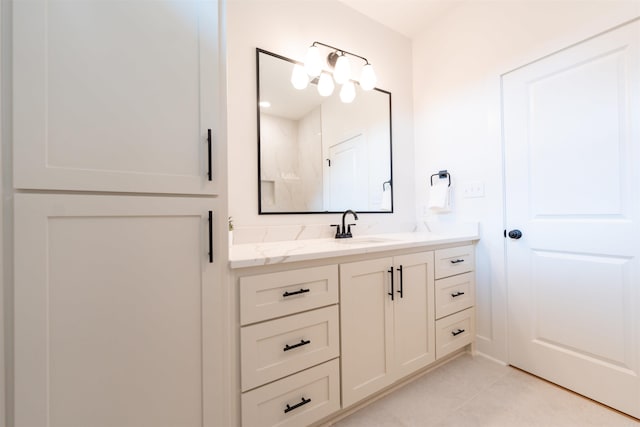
[(318, 154)]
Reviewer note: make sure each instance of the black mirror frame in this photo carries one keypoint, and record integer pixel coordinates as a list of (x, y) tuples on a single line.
[(390, 181)]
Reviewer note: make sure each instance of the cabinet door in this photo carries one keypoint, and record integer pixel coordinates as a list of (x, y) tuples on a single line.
[(366, 319), (413, 314), (115, 95), (113, 322)]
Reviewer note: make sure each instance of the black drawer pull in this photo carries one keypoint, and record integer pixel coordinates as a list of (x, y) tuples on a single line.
[(457, 294), (297, 405), (301, 291), (209, 154), (300, 344), (401, 284), (456, 261), (210, 237), (457, 332), (390, 270)]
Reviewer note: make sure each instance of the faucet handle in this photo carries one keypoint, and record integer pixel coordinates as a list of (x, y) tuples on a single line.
[(349, 229), (337, 226)]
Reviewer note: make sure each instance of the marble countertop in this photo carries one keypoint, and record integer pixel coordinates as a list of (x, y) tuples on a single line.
[(266, 253)]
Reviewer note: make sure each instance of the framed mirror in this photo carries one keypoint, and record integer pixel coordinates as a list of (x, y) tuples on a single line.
[(317, 154)]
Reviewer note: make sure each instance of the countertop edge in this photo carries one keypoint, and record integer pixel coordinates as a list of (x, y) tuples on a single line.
[(294, 251)]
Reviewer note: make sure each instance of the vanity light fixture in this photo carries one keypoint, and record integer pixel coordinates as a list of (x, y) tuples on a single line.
[(338, 60)]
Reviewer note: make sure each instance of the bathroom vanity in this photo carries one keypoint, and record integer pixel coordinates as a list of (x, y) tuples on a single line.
[(326, 325)]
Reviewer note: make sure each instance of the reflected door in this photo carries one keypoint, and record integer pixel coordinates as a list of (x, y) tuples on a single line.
[(572, 150), (348, 174)]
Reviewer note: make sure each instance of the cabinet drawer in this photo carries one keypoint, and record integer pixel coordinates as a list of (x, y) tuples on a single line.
[(454, 261), (298, 400), (454, 332), (266, 296), (454, 294), (281, 347)]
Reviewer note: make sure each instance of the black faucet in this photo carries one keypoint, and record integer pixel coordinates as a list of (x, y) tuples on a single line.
[(345, 232)]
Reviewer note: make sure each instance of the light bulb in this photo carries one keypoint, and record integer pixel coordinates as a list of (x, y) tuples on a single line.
[(312, 62), (325, 85), (299, 77), (342, 70), (348, 92), (368, 78)]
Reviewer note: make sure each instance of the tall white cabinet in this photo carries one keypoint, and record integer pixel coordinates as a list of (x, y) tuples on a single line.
[(120, 223)]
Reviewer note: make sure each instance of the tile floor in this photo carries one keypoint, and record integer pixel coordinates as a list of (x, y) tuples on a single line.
[(474, 391)]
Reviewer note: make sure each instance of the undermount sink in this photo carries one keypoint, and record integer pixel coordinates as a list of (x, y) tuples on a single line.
[(364, 240)]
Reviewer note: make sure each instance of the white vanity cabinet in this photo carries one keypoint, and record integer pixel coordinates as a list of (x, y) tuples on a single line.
[(322, 336), (116, 96), (387, 321), (454, 298), (289, 339)]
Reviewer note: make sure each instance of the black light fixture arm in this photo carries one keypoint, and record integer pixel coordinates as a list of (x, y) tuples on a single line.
[(341, 50)]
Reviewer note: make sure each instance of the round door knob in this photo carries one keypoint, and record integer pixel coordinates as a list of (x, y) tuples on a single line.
[(515, 234)]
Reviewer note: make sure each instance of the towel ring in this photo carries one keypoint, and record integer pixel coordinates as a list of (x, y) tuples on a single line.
[(442, 175)]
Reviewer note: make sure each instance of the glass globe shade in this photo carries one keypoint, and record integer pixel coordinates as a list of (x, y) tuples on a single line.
[(299, 77), (313, 62), (342, 70), (325, 85), (368, 78), (348, 92)]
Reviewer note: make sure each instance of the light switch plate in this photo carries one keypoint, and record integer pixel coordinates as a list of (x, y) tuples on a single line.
[(473, 189)]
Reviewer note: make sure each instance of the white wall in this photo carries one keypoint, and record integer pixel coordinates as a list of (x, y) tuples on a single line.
[(288, 27), (457, 66)]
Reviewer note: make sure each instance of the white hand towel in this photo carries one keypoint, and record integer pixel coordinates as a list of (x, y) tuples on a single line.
[(385, 205), (439, 200)]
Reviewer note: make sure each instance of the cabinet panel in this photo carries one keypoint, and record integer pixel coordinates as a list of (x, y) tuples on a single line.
[(266, 296), (297, 400), (454, 261), (366, 324), (111, 298), (274, 349), (454, 294), (454, 332), (414, 333), (100, 109)]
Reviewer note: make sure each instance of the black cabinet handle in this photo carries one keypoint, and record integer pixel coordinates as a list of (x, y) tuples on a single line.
[(401, 286), (301, 291), (456, 261), (210, 236), (297, 405), (457, 294), (209, 153), (457, 332), (288, 347), (390, 270)]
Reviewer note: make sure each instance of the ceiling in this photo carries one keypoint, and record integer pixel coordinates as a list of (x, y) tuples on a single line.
[(408, 17)]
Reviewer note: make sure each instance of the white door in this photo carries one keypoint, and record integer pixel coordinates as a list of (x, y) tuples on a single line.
[(115, 95), (348, 175), (113, 311), (572, 163)]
